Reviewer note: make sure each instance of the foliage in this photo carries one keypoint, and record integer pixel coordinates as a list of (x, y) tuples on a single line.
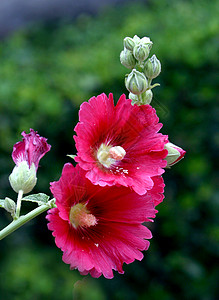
[(47, 71)]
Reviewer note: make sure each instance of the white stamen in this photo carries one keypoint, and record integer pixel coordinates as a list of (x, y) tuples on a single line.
[(108, 155)]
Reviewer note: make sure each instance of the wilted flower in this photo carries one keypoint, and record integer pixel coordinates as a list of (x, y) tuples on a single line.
[(100, 228), (26, 155), (120, 144)]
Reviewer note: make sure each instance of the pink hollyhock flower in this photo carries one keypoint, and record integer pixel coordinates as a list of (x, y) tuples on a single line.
[(100, 228), (120, 144), (26, 155)]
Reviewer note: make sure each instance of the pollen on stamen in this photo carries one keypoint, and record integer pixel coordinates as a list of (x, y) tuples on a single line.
[(80, 216), (87, 220), (117, 152)]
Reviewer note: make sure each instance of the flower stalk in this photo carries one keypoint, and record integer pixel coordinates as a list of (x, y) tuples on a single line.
[(14, 225), (19, 199)]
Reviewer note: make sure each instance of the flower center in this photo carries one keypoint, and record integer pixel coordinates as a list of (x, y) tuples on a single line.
[(80, 216), (107, 155)]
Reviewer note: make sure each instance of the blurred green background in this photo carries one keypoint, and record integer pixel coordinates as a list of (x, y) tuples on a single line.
[(46, 71)]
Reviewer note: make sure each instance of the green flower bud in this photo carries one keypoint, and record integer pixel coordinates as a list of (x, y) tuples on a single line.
[(134, 98), (147, 41), (175, 154), (23, 178), (136, 39), (152, 67), (142, 99), (9, 205), (146, 97), (141, 52), (127, 59), (129, 43), (136, 82)]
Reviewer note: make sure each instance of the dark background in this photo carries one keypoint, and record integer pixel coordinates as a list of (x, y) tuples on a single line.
[(56, 54)]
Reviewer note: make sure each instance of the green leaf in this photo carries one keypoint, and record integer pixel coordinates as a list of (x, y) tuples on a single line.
[(2, 203), (38, 198)]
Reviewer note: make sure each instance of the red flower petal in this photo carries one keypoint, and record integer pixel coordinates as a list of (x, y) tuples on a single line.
[(117, 238)]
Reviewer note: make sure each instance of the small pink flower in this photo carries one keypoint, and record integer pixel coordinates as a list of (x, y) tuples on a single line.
[(100, 228), (31, 149), (120, 144)]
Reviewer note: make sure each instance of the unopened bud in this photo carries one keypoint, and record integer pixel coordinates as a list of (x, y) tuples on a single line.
[(9, 205), (127, 59), (142, 99), (136, 82), (152, 67), (23, 178), (141, 51), (146, 41), (174, 155), (134, 98), (136, 39), (129, 43), (146, 97)]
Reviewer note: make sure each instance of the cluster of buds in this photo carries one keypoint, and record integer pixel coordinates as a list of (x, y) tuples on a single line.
[(135, 57)]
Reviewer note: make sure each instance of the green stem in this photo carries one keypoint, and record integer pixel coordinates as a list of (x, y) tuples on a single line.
[(19, 199), (24, 219), (154, 85)]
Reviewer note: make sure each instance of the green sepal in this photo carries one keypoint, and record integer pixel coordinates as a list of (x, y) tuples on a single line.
[(52, 203), (2, 203), (38, 198), (71, 156)]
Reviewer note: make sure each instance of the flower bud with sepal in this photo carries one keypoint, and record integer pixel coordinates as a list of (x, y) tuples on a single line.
[(134, 98), (129, 43), (23, 178), (26, 155), (136, 39), (127, 59), (146, 97), (152, 67), (146, 41), (142, 99), (10, 206), (136, 82), (175, 154), (141, 51)]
